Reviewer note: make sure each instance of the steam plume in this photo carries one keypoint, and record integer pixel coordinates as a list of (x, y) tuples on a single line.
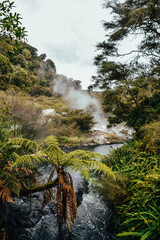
[(80, 99)]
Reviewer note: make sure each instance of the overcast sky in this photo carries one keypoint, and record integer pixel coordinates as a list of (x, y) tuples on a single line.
[(67, 31)]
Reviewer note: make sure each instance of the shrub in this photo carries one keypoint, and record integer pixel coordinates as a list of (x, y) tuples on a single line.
[(20, 77), (37, 90), (25, 117), (148, 110), (151, 132), (5, 65), (27, 54), (5, 122), (20, 59), (83, 119)]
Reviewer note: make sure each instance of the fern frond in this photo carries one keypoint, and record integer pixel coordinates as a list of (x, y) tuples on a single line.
[(53, 150), (79, 160), (11, 182), (26, 144), (5, 194), (54, 154), (29, 160), (51, 140), (81, 154)]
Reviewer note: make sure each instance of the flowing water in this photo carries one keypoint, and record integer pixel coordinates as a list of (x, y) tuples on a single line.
[(94, 219)]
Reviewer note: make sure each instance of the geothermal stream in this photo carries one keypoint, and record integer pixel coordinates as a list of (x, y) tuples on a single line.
[(29, 221)]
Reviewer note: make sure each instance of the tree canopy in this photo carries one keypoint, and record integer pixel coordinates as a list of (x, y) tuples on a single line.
[(128, 83), (132, 18)]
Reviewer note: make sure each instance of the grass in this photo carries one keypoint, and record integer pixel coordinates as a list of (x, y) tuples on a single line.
[(41, 102), (74, 141)]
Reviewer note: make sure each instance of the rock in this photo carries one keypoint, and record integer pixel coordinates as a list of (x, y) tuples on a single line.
[(29, 221), (102, 138), (49, 111)]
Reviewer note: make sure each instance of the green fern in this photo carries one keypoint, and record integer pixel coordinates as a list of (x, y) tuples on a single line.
[(28, 160), (82, 161), (53, 151), (127, 234), (79, 160), (25, 144)]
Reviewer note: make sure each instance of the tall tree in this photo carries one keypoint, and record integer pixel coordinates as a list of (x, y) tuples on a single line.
[(128, 84)]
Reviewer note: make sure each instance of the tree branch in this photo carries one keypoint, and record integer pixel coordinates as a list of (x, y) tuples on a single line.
[(136, 51), (41, 188)]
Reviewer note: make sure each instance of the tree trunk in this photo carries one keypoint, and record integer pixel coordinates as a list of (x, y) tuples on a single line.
[(41, 188)]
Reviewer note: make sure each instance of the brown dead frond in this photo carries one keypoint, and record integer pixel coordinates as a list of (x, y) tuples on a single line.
[(5, 193), (47, 194), (66, 200)]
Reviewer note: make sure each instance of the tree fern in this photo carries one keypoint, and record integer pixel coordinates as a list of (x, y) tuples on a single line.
[(53, 150), (51, 154), (82, 161)]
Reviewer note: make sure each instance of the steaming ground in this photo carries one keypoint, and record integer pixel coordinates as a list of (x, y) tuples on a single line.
[(80, 99)]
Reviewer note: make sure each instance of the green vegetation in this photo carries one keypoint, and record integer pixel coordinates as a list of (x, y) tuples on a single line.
[(18, 171), (138, 192), (135, 95), (132, 95), (10, 23), (25, 114), (22, 69)]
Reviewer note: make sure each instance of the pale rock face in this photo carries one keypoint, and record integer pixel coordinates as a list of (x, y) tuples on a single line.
[(101, 140), (47, 112)]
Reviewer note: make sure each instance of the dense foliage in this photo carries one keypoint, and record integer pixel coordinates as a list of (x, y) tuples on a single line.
[(10, 23), (131, 85), (23, 69), (139, 207)]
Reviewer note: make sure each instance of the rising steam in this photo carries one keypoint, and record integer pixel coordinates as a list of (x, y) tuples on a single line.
[(80, 99)]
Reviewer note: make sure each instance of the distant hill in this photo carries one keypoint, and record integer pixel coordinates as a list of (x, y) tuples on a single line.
[(22, 68)]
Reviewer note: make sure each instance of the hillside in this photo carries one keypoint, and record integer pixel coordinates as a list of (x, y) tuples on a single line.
[(22, 68), (26, 89)]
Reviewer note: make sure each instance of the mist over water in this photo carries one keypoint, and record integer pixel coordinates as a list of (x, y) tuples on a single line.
[(80, 99)]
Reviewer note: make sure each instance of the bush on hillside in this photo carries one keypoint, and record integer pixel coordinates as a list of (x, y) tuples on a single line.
[(5, 65), (83, 120)]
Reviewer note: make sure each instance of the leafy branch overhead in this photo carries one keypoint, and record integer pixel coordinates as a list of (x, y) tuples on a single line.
[(132, 18), (10, 23)]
